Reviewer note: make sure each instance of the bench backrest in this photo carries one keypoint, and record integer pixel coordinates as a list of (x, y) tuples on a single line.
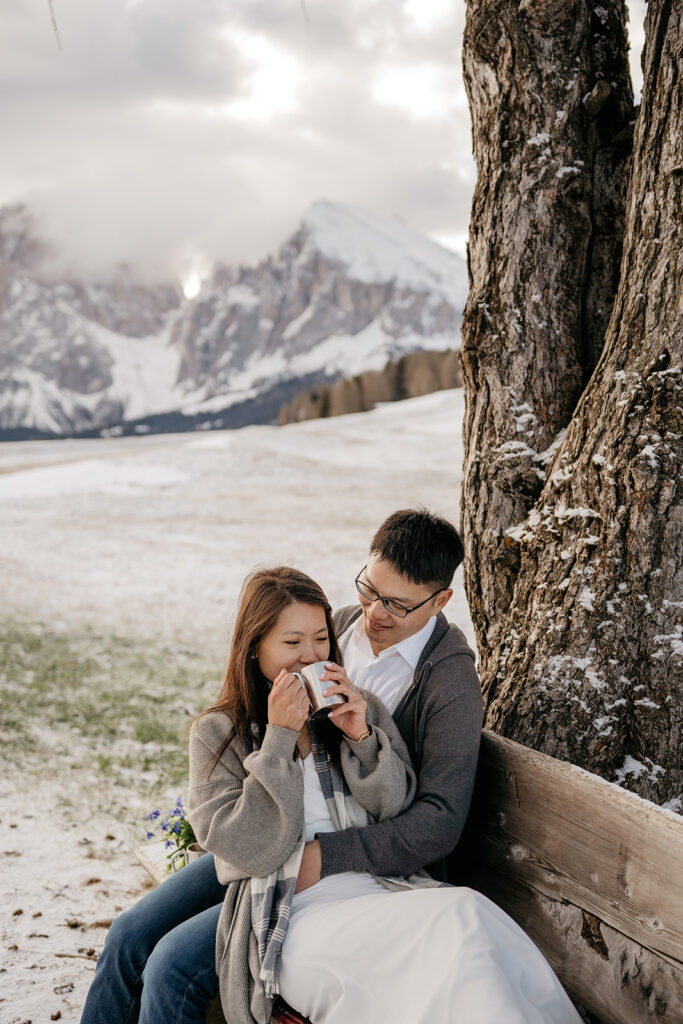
[(590, 871)]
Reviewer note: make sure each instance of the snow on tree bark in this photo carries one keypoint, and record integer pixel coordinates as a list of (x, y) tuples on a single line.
[(552, 146), (572, 515)]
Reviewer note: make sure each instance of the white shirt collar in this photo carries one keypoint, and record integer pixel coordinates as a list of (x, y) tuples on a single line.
[(409, 649)]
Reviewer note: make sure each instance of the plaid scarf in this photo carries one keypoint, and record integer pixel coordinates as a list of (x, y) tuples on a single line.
[(271, 897)]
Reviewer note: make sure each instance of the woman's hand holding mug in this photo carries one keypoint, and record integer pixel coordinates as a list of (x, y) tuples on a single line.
[(288, 703), (350, 717)]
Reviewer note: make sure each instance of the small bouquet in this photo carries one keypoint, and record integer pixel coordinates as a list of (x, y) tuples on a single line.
[(176, 831)]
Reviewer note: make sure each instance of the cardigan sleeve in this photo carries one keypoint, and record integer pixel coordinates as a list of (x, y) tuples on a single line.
[(378, 770), (430, 828), (249, 815)]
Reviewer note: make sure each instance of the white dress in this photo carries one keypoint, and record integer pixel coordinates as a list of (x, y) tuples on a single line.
[(356, 953)]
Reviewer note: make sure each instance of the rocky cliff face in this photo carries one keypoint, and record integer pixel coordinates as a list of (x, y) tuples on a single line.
[(53, 372), (347, 292), (122, 304), (415, 374), (73, 355)]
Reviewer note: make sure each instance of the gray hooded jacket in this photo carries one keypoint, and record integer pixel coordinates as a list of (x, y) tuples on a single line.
[(440, 719)]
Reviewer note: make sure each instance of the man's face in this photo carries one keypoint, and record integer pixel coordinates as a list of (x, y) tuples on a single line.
[(381, 627)]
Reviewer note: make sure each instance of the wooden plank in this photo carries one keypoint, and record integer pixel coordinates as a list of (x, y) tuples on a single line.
[(591, 873), (574, 837), (153, 858), (608, 973)]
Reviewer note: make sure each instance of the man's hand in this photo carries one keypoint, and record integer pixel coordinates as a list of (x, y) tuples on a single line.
[(311, 865)]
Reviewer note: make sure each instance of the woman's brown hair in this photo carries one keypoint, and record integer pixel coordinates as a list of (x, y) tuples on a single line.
[(244, 693)]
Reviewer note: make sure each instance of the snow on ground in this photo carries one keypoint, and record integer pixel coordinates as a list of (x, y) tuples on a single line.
[(62, 883), (120, 568), (153, 535)]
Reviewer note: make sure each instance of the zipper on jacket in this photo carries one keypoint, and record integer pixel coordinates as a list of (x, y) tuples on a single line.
[(424, 669)]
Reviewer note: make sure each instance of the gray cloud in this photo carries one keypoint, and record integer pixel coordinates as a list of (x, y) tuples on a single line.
[(133, 146)]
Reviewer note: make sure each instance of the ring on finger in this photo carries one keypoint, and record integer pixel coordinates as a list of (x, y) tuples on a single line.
[(353, 689)]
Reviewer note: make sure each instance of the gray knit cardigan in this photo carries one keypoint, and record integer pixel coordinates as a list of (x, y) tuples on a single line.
[(249, 813)]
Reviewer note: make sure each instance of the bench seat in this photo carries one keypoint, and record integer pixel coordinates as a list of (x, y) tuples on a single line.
[(592, 873)]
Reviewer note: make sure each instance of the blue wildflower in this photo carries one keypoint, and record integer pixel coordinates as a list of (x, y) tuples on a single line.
[(176, 828), (150, 835), (165, 826), (168, 843)]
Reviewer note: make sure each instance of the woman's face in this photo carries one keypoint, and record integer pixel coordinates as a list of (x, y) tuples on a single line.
[(298, 638)]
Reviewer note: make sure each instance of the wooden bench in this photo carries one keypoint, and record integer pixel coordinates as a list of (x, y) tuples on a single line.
[(590, 871)]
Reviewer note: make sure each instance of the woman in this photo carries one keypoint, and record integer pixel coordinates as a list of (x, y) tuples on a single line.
[(264, 780), (158, 961)]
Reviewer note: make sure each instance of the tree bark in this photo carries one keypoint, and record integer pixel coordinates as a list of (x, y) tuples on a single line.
[(575, 582), (551, 104)]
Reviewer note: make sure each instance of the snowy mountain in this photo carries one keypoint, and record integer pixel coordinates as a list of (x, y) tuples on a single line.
[(344, 294), (76, 355)]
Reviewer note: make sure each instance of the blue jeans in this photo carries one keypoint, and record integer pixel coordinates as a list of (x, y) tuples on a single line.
[(158, 961)]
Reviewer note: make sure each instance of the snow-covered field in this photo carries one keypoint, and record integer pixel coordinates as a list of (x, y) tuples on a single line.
[(152, 536), (120, 567)]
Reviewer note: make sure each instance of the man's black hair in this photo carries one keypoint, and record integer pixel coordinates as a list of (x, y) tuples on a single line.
[(420, 546)]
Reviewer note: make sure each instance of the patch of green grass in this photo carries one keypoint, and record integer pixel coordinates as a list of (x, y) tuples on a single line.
[(104, 703), (151, 730)]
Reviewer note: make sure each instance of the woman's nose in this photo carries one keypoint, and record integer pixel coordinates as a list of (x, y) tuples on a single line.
[(307, 656)]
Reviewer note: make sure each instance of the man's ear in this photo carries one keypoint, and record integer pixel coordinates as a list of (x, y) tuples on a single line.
[(443, 598)]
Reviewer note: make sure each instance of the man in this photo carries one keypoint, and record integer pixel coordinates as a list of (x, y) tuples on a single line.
[(398, 644)]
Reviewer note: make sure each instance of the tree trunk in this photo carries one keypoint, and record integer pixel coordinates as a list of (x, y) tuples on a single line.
[(574, 537), (552, 146)]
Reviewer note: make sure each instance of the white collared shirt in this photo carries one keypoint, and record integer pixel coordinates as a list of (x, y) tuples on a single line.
[(389, 673)]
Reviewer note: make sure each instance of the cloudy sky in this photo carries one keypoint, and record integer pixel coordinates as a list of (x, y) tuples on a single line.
[(167, 133)]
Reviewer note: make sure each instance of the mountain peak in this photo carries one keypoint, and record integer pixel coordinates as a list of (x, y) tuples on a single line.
[(377, 250), (347, 292)]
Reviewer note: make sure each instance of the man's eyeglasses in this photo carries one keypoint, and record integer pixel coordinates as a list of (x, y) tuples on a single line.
[(395, 607)]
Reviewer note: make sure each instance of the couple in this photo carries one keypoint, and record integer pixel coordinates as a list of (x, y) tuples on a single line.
[(321, 831)]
